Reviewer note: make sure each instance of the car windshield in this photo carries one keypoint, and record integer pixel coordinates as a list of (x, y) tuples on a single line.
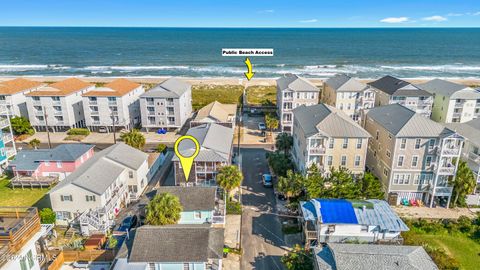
[(267, 177)]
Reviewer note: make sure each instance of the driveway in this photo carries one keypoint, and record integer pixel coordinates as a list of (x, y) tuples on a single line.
[(262, 238)]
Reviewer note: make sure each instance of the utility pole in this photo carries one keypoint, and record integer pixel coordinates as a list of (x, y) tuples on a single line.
[(113, 124), (46, 127)]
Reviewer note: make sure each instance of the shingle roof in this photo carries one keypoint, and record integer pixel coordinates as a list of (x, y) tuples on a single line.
[(61, 88), (192, 198), (295, 83), (365, 257), (176, 243), (18, 85), (116, 88), (397, 87), (327, 120), (171, 88), (403, 122), (216, 111), (345, 83), (450, 89), (470, 130), (29, 160)]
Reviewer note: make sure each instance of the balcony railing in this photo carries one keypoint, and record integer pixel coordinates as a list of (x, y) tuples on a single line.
[(39, 113), (110, 102), (205, 168), (96, 122), (94, 112), (10, 151), (56, 112), (117, 194), (93, 102), (449, 151), (57, 102), (474, 157), (446, 170), (113, 112), (151, 113), (4, 123), (170, 103), (7, 137), (459, 104), (317, 150)]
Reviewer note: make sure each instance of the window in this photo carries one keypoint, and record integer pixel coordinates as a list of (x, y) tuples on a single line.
[(67, 198), (417, 143), (359, 143), (431, 144), (198, 215), (364, 228), (385, 171), (403, 143), (23, 263), (428, 161), (401, 178), (345, 143), (396, 178), (331, 228), (329, 160), (344, 161), (389, 154), (130, 174), (400, 161), (416, 179), (59, 164), (30, 259), (357, 161), (331, 142), (62, 215), (414, 161), (90, 198), (376, 135)]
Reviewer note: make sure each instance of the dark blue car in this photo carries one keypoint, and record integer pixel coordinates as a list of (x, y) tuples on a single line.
[(128, 223)]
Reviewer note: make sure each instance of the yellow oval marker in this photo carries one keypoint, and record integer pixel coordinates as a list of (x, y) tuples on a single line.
[(186, 162)]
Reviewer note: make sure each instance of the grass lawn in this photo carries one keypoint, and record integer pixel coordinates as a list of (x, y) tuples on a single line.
[(205, 94), (22, 197), (262, 95)]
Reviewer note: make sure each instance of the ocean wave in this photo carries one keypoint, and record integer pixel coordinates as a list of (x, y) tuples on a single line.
[(441, 68), (132, 68), (18, 68)]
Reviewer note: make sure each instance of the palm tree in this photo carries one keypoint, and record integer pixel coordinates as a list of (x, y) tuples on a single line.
[(133, 138), (229, 178), (163, 209), (271, 122), (34, 143), (464, 182), (292, 185), (284, 142)]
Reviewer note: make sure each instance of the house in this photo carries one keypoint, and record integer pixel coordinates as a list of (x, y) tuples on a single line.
[(216, 144), (201, 205), (414, 157), (292, 92), (340, 220), (116, 103), (390, 90), (334, 256), (49, 165), (12, 95), (327, 137), (348, 95), (94, 193), (58, 105), (176, 247), (452, 102), (216, 112), (471, 152), (167, 105)]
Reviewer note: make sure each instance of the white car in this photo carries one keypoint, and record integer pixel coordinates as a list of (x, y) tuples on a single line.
[(81, 264), (262, 126)]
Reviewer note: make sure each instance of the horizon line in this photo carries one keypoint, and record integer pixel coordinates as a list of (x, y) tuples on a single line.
[(245, 27)]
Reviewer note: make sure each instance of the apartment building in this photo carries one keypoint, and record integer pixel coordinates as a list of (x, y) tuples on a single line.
[(327, 137), (12, 95), (390, 90), (452, 102), (167, 105), (216, 112), (348, 95), (216, 144), (114, 104), (413, 156), (58, 105), (292, 92), (7, 142)]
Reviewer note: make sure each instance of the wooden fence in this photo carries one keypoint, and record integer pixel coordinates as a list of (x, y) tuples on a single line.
[(57, 263), (89, 255)]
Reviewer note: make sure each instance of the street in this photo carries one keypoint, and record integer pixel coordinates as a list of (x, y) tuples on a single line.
[(262, 238)]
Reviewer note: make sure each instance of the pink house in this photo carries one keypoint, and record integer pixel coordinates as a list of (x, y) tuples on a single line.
[(57, 162)]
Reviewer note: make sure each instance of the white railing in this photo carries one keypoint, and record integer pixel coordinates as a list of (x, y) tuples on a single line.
[(150, 103), (317, 150), (55, 112), (7, 137), (474, 157), (170, 103), (119, 191), (4, 123), (94, 112), (218, 219), (446, 170), (92, 102), (10, 151)]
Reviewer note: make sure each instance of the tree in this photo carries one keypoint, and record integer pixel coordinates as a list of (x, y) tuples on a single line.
[(34, 143), (298, 258), (463, 184), (163, 209), (284, 142), (271, 122), (161, 148), (229, 178), (47, 216), (21, 125), (292, 185), (133, 138), (112, 241), (280, 163), (370, 187)]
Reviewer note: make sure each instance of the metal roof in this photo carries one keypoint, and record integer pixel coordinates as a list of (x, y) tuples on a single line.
[(171, 88), (450, 89), (345, 83), (470, 130), (392, 85), (295, 83)]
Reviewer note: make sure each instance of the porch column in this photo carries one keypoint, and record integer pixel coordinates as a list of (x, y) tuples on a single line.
[(448, 201)]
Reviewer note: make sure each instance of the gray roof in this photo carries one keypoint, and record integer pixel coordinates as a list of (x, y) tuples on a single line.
[(217, 112), (295, 83), (328, 121), (365, 257), (171, 88), (29, 160), (470, 130), (193, 198), (100, 171), (403, 122), (175, 243), (450, 89), (396, 87), (345, 83), (215, 143)]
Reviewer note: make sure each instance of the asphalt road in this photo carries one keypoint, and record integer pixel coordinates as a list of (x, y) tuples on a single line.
[(262, 239)]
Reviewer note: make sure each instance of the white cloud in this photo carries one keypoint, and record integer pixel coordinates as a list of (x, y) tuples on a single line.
[(395, 20), (455, 14), (476, 14), (308, 21), (436, 18)]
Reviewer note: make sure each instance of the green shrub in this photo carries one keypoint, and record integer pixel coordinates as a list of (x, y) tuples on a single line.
[(161, 148), (21, 125), (234, 208), (78, 131), (47, 216)]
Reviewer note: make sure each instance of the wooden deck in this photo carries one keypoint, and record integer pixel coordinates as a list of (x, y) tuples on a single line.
[(33, 182)]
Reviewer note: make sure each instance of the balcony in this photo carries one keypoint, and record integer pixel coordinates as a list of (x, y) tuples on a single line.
[(459, 104), (114, 198), (39, 113), (96, 122), (56, 112), (441, 191), (447, 151), (449, 170), (94, 113), (93, 102), (112, 102), (37, 102), (172, 113), (474, 157), (150, 103), (287, 97), (7, 137), (10, 151), (170, 103), (59, 123), (33, 181), (57, 102), (151, 113), (317, 150), (205, 168), (4, 123), (113, 112)]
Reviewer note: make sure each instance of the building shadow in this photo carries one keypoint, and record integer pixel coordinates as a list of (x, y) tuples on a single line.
[(267, 262)]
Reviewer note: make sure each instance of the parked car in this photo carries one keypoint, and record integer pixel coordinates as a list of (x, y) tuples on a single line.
[(102, 130), (262, 126), (81, 264), (267, 180), (128, 223)]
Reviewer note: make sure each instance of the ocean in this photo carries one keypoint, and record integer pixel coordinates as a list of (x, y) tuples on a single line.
[(196, 52)]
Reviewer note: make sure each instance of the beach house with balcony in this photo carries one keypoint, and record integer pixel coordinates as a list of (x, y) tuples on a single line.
[(452, 102), (292, 92), (390, 90), (114, 104), (94, 193), (327, 137), (172, 247), (167, 105), (7, 141), (216, 112), (216, 144), (348, 95), (12, 95), (58, 105), (414, 157), (340, 220)]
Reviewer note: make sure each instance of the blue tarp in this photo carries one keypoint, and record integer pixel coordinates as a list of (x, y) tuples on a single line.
[(337, 211)]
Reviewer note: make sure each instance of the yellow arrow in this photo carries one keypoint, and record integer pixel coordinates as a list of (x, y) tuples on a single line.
[(249, 74)]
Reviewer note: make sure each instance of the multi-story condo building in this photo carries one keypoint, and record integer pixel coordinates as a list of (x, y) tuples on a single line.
[(12, 95), (216, 112), (452, 102), (167, 105), (390, 90), (114, 104), (58, 105), (7, 141), (216, 144), (292, 92), (327, 137), (414, 157), (348, 94)]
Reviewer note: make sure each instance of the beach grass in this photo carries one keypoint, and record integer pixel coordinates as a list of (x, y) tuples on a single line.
[(261, 95), (205, 94), (22, 197)]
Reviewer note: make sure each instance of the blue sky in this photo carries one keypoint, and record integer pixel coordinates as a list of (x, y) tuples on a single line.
[(253, 13)]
